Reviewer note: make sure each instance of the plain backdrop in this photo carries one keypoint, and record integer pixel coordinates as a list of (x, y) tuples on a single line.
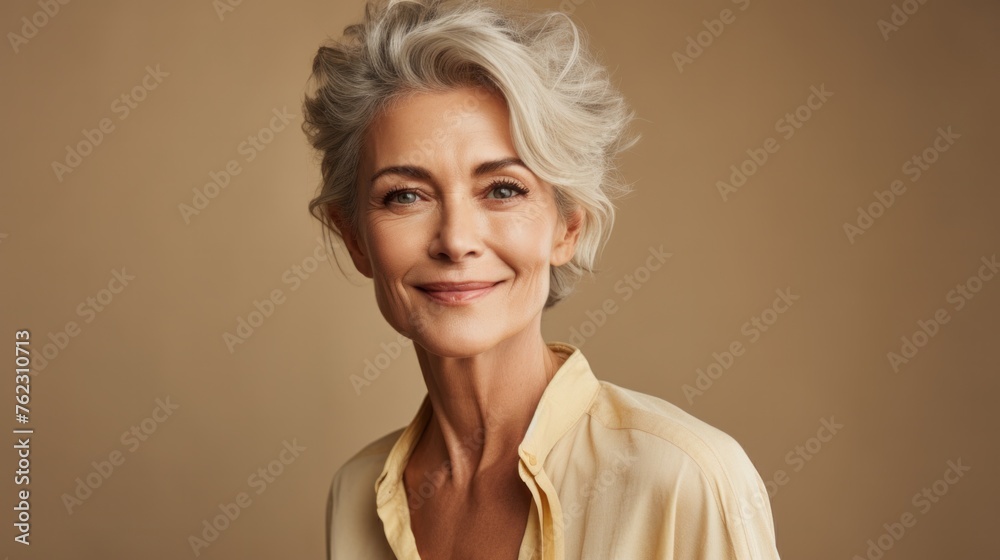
[(85, 210)]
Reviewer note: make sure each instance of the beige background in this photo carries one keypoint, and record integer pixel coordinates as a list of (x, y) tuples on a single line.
[(162, 336)]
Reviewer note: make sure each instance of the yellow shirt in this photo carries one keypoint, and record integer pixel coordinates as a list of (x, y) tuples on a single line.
[(614, 474)]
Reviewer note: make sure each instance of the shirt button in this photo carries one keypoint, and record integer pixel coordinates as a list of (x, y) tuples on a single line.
[(531, 459)]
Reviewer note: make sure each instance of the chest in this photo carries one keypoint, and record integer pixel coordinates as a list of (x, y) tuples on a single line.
[(487, 524)]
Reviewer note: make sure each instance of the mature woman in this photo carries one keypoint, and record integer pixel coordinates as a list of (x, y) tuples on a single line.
[(467, 164)]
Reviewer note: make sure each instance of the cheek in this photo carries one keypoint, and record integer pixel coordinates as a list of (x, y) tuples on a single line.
[(391, 257), (527, 242), (534, 230), (391, 251)]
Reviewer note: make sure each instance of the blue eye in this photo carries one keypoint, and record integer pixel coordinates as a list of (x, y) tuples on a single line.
[(510, 186), (506, 186), (395, 193)]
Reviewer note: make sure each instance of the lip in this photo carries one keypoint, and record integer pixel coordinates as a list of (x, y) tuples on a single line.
[(457, 293)]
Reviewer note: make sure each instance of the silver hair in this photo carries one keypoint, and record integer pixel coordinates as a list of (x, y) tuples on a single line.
[(568, 123)]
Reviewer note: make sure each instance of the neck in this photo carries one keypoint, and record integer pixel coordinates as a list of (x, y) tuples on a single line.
[(482, 404)]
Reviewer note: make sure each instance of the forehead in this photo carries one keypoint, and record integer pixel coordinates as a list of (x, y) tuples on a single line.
[(424, 126)]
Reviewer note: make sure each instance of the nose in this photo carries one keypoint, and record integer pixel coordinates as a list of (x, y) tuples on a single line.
[(458, 235)]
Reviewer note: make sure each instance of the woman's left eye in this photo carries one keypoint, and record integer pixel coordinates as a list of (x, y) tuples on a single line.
[(510, 188)]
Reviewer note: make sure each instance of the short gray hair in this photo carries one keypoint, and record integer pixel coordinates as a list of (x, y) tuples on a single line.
[(568, 123)]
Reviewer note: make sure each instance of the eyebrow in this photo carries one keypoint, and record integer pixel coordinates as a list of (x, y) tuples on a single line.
[(416, 172)]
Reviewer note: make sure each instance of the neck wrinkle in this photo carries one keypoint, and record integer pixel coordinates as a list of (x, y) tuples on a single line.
[(482, 407)]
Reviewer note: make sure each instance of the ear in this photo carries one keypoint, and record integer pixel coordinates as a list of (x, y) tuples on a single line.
[(355, 245), (564, 245)]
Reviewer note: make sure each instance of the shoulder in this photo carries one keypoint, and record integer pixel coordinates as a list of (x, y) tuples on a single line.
[(352, 523), (352, 490), (701, 472), (365, 465), (670, 426)]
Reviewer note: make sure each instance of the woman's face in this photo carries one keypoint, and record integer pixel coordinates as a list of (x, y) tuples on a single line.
[(443, 199)]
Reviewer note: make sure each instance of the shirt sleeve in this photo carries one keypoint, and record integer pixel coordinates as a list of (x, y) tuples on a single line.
[(724, 509), (748, 514)]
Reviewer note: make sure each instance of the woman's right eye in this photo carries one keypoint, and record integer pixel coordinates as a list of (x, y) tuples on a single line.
[(396, 194)]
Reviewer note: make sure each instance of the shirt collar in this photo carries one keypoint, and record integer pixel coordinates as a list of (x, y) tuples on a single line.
[(566, 398)]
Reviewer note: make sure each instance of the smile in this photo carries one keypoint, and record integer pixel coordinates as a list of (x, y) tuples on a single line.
[(459, 295)]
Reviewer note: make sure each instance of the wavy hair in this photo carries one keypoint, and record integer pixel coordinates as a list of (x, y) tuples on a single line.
[(567, 122)]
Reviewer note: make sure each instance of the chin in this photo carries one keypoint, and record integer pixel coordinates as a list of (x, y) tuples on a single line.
[(455, 347), (457, 341)]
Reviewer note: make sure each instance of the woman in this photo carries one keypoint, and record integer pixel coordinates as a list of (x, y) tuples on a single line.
[(467, 164)]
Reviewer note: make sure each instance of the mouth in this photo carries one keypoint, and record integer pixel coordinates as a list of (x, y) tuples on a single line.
[(457, 293)]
